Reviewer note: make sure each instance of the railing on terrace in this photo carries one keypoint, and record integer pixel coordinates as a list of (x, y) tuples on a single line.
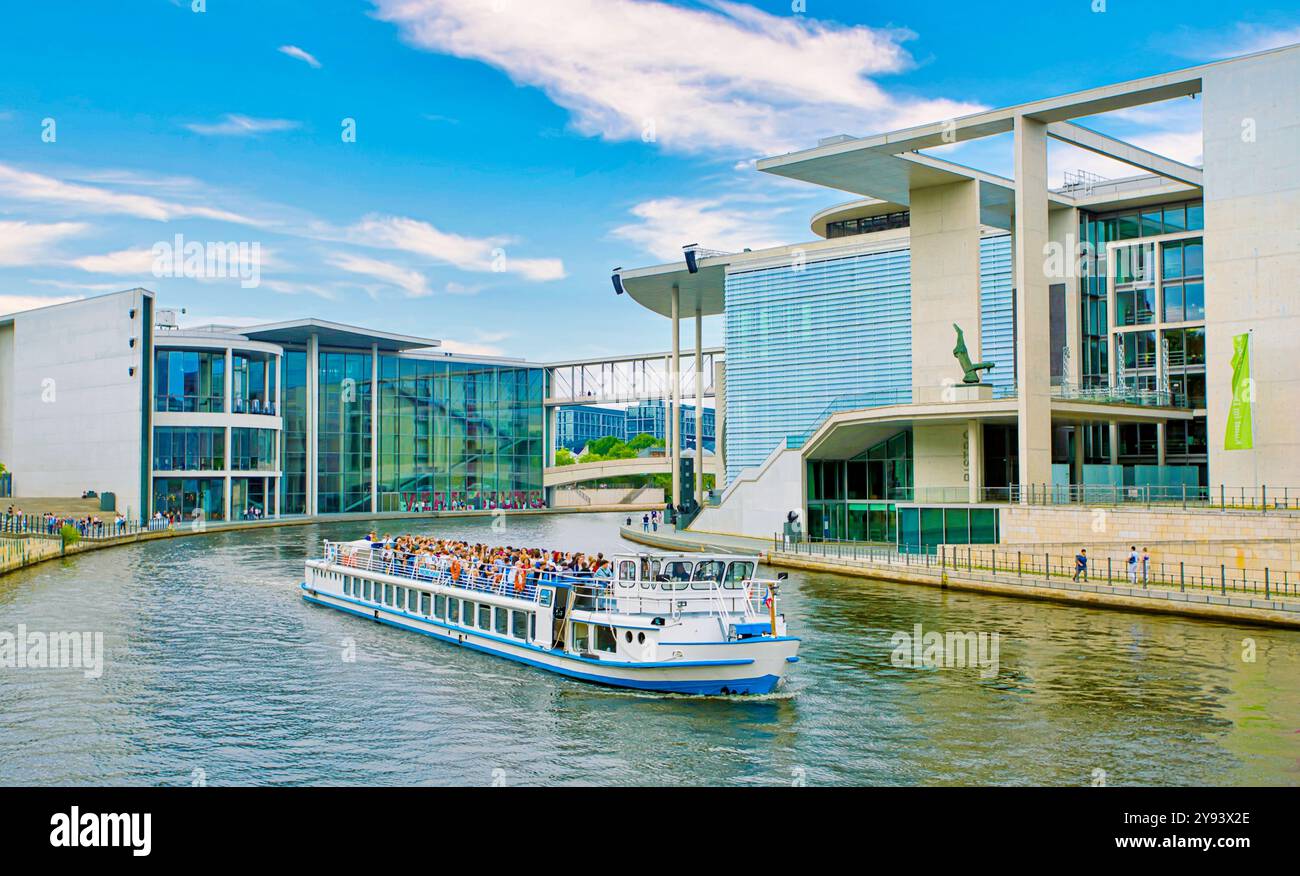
[(590, 592), (1007, 564), (39, 525), (1263, 499), (1126, 395)]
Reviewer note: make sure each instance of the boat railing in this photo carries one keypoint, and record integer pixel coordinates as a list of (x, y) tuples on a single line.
[(590, 592)]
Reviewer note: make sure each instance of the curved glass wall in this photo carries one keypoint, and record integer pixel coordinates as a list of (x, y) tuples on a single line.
[(252, 383), (190, 381), (189, 448), (252, 449)]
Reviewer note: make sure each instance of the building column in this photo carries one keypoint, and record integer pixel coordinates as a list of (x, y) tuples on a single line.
[(699, 406), (313, 417), (1160, 443), (975, 460), (1033, 377), (1113, 441), (720, 421), (229, 381), (1078, 452), (374, 428), (672, 429), (225, 492)]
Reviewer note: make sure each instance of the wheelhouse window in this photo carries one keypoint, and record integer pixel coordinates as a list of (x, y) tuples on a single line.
[(706, 573), (627, 570), (605, 639), (677, 573), (738, 573)]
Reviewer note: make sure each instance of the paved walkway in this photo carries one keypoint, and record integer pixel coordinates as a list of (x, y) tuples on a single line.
[(713, 542)]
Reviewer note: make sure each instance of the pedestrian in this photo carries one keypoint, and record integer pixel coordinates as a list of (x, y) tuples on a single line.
[(645, 522), (1133, 565), (1146, 567), (1081, 564)]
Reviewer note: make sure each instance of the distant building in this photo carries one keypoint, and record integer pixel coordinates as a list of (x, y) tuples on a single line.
[(651, 417), (578, 425)]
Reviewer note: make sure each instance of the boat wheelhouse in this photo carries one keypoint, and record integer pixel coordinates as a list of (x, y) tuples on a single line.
[(694, 624)]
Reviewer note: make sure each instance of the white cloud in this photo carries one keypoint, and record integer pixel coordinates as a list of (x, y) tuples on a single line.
[(471, 349), (667, 224), (413, 283), (123, 261), (300, 54), (26, 243), (235, 125), (454, 288), (283, 288), (36, 187), (18, 303), (480, 254), (721, 79)]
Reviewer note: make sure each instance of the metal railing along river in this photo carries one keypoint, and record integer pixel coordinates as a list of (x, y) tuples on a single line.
[(1009, 564)]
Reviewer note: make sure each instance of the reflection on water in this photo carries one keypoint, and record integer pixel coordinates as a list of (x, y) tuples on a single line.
[(214, 664)]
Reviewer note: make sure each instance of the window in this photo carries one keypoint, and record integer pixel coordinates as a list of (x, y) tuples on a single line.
[(440, 607), (605, 639), (678, 572), (400, 601), (738, 573), (424, 604), (502, 618), (627, 570), (485, 617), (581, 637), (532, 627), (388, 594), (706, 572), (367, 589), (519, 624), (347, 585), (453, 610)]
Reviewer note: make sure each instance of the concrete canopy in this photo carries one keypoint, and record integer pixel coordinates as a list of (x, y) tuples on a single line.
[(334, 334), (652, 287)]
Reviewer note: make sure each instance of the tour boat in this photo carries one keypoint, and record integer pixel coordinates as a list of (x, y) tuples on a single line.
[(681, 623)]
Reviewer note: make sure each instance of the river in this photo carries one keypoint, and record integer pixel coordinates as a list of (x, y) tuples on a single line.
[(216, 672)]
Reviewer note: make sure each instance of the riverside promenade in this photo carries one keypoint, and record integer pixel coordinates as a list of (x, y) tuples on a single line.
[(1219, 596)]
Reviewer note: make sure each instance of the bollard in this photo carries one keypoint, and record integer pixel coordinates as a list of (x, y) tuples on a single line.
[(1223, 580), (1266, 582), (1182, 585), (1018, 570), (1047, 567)]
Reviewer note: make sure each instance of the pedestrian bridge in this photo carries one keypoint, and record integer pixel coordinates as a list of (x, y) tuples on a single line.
[(579, 472)]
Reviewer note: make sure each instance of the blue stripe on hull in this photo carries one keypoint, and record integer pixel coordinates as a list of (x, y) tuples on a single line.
[(759, 685)]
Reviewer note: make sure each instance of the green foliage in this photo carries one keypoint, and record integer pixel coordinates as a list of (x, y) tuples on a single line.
[(644, 440), (564, 456), (69, 534)]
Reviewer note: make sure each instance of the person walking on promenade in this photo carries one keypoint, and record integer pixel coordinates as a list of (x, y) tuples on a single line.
[(1133, 565), (1081, 564), (645, 522), (1146, 567)]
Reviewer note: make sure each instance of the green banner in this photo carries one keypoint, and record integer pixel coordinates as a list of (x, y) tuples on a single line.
[(1240, 434)]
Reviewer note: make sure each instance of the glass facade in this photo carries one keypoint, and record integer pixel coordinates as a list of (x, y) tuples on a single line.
[(252, 449), (651, 418), (181, 497), (252, 382), (922, 530), (997, 313), (189, 448), (458, 434), (853, 499), (343, 433), (293, 438), (578, 425), (799, 337), (189, 381), (1156, 334), (868, 224)]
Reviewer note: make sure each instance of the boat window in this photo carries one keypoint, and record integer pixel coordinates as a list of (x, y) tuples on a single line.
[(677, 573), (485, 617), (532, 627), (502, 621), (706, 573), (467, 613), (606, 640), (440, 607), (581, 637), (399, 595), (649, 572), (627, 572), (453, 610), (738, 573), (367, 589), (519, 625), (424, 604), (388, 594)]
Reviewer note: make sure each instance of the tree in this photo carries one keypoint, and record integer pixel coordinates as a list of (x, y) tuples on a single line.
[(564, 456), (645, 440)]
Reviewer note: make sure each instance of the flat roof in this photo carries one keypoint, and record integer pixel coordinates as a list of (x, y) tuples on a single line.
[(880, 165), (334, 334)]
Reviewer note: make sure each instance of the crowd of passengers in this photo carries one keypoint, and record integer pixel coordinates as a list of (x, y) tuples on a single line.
[(502, 568)]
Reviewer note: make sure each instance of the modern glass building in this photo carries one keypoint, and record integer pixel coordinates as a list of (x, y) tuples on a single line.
[(578, 425), (651, 418), (302, 417)]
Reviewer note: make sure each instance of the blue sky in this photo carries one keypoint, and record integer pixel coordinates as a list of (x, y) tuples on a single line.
[(507, 153)]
